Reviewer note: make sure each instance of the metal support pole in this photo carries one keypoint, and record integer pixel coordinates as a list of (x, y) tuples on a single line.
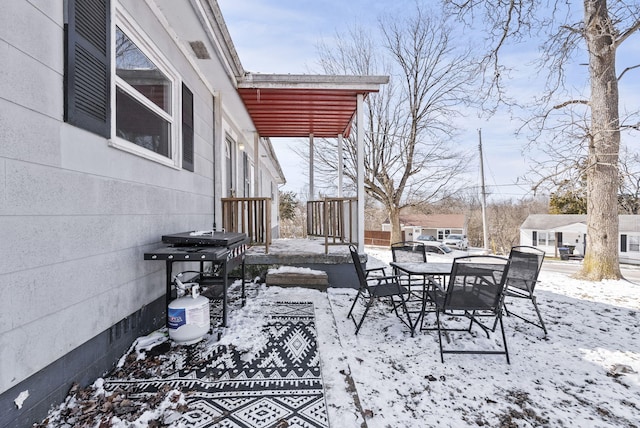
[(360, 170), (311, 189), (256, 164), (340, 165)]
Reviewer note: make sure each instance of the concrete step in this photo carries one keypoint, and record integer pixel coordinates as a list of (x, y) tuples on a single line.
[(305, 278)]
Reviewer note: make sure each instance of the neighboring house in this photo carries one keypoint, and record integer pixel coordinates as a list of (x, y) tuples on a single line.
[(550, 231), (437, 225), (120, 121)]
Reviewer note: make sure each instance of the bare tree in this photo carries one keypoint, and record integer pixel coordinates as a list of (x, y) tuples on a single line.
[(292, 215), (411, 155), (602, 28)]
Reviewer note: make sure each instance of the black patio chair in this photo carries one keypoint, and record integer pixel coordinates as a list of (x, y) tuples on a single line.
[(522, 277), (409, 252), (475, 291), (375, 272), (375, 288)]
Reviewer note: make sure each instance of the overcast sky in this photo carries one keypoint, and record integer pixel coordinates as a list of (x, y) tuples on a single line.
[(281, 36)]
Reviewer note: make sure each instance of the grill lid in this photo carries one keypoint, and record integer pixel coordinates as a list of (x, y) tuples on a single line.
[(204, 238)]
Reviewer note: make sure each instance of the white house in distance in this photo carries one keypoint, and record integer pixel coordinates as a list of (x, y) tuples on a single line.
[(551, 231), (122, 121), (436, 225)]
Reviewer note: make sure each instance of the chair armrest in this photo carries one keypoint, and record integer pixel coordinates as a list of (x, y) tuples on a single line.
[(368, 271), (380, 280)]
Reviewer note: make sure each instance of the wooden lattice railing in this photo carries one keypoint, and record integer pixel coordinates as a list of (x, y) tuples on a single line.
[(248, 215), (335, 219)]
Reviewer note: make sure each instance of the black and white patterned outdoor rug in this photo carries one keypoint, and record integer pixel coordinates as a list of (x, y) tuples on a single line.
[(279, 386)]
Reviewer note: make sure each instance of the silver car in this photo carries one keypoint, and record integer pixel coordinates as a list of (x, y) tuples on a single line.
[(437, 251), (456, 240), (426, 238)]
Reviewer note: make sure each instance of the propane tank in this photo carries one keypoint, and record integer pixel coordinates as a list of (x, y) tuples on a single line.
[(188, 315)]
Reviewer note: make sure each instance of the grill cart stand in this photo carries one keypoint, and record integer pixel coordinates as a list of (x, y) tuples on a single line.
[(224, 250)]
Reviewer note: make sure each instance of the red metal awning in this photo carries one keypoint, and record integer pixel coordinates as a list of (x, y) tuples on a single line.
[(300, 105)]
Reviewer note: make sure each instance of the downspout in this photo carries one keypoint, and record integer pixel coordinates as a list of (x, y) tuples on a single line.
[(216, 127), (213, 172)]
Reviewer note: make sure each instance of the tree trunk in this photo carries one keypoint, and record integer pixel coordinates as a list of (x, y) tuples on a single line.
[(394, 220), (601, 258)]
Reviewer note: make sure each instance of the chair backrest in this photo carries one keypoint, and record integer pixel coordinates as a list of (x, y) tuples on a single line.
[(524, 268), (362, 277), (408, 251), (476, 283)]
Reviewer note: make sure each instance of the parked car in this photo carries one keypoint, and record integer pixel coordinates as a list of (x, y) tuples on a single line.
[(456, 240), (441, 251), (437, 248), (426, 238)]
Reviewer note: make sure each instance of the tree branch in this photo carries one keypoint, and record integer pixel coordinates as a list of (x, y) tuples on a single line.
[(627, 69), (574, 30), (567, 103), (636, 126), (625, 35)]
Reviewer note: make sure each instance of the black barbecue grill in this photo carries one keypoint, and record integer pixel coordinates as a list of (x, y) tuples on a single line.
[(205, 239), (224, 250)]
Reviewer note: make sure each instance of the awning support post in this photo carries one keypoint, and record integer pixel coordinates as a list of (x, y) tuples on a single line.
[(256, 160), (340, 165), (360, 170), (311, 149)]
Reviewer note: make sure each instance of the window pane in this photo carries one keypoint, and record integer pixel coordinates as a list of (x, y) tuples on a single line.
[(634, 243), (139, 125), (138, 71), (542, 238)]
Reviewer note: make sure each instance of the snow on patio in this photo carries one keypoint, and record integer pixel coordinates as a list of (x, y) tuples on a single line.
[(584, 373)]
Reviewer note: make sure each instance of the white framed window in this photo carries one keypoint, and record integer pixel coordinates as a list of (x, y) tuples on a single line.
[(633, 243), (546, 239), (551, 239), (146, 96), (443, 233)]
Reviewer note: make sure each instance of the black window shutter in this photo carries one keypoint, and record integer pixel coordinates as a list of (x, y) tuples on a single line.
[(187, 128), (88, 66), (534, 238), (623, 243)]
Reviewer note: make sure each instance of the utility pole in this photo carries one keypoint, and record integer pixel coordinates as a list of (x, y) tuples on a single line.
[(483, 193)]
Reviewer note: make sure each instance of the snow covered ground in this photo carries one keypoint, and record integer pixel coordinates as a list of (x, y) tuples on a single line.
[(583, 374)]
